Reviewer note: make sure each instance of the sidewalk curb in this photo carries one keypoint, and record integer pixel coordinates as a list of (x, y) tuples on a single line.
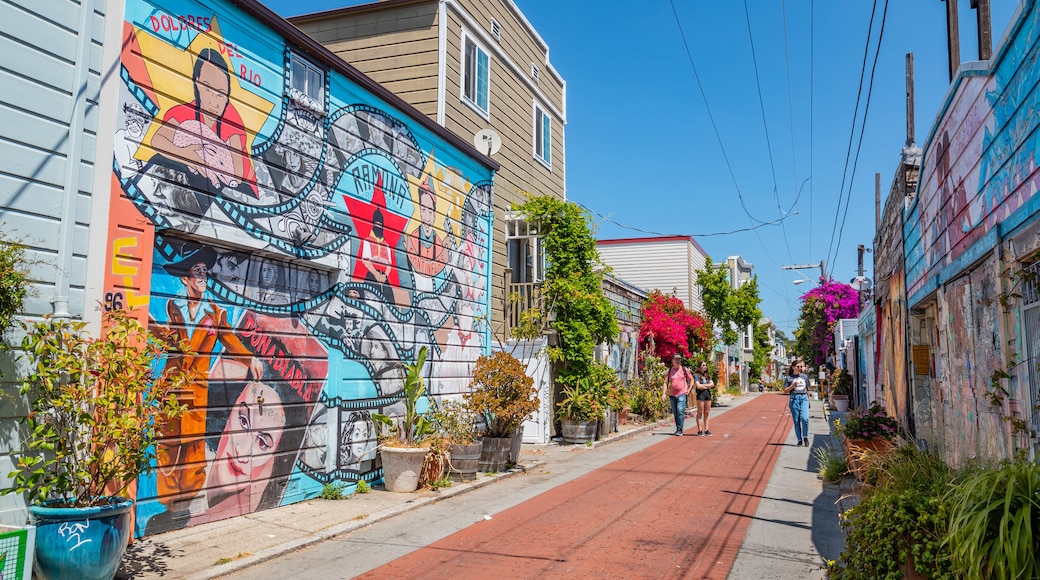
[(352, 525)]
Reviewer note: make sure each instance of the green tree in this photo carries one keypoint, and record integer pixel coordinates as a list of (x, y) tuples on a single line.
[(763, 349), (726, 306), (573, 287)]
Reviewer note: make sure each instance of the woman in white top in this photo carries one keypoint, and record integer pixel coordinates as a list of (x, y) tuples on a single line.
[(796, 384)]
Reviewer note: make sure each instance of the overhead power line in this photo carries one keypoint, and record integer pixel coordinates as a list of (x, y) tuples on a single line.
[(696, 235), (714, 126), (863, 125)]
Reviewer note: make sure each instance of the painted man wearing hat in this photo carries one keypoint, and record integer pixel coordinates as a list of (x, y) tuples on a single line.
[(200, 324)]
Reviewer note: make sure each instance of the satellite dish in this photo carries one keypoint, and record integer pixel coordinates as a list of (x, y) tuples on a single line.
[(487, 141), (860, 283)]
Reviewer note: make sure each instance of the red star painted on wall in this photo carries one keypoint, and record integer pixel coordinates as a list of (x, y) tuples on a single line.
[(393, 227)]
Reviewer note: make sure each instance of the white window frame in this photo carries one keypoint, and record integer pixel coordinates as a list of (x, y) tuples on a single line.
[(473, 101), (525, 233), (316, 101), (541, 135)]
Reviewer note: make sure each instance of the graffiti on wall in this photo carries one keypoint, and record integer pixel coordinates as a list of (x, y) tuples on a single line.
[(980, 164), (302, 240)]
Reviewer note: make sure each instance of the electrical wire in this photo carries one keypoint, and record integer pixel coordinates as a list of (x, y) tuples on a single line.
[(711, 117), (859, 146), (852, 132), (708, 235)]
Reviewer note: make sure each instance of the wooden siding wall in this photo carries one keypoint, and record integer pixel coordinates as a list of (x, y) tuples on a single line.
[(397, 48), (47, 144), (38, 113), (663, 266)]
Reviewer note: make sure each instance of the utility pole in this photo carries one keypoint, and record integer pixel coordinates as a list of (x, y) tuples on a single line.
[(877, 202), (911, 152), (953, 38), (985, 31)]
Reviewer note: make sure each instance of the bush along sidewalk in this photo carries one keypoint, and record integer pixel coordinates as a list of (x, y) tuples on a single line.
[(917, 517)]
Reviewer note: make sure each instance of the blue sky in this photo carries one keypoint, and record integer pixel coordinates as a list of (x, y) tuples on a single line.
[(643, 148)]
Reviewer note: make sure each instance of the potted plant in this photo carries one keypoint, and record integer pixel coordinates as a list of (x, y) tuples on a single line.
[(866, 432), (455, 422), (502, 396), (995, 521), (618, 399), (579, 412), (400, 450), (96, 407), (842, 389)]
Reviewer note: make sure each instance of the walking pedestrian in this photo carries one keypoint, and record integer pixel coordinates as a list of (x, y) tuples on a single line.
[(675, 389), (703, 384), (796, 384)]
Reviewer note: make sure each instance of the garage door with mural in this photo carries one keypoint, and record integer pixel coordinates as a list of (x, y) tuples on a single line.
[(303, 237)]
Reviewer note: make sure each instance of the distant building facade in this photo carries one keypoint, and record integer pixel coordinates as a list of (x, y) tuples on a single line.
[(666, 263)]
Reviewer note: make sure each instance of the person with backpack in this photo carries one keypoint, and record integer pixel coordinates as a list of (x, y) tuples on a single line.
[(675, 389)]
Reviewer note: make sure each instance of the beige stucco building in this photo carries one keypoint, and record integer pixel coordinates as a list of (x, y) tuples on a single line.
[(470, 65)]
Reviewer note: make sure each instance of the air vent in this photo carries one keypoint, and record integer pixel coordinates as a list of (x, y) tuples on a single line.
[(496, 29), (534, 72)]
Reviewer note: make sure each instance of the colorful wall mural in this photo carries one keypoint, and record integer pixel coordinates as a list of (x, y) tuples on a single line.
[(978, 189), (303, 237)]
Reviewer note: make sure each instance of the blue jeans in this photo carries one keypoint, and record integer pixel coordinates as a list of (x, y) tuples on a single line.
[(799, 405), (678, 411)]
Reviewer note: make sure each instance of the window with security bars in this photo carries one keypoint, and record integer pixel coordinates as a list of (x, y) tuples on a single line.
[(1031, 324)]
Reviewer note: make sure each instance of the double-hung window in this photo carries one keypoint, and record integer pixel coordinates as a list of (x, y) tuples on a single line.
[(308, 83), (542, 136), (475, 74)]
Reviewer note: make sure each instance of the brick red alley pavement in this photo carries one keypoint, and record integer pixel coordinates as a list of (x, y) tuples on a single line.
[(677, 509)]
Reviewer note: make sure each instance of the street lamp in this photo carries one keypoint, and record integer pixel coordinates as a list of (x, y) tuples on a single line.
[(823, 272)]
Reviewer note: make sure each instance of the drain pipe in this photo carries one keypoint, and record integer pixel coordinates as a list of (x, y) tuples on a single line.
[(67, 231)]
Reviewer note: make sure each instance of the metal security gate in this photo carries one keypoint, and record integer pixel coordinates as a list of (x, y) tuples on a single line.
[(1031, 325)]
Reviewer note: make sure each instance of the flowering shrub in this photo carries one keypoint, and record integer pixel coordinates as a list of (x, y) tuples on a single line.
[(503, 396), (822, 307), (672, 327), (870, 423)]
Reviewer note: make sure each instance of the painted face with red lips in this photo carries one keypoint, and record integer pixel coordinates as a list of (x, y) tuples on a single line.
[(247, 446)]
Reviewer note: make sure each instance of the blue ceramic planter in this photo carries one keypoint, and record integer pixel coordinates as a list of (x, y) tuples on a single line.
[(85, 543)]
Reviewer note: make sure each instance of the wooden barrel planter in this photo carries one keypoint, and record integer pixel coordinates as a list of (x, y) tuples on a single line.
[(464, 460), (494, 454), (578, 432)]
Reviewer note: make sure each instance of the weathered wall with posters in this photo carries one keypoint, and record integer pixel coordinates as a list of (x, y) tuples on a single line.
[(304, 233), (979, 185)]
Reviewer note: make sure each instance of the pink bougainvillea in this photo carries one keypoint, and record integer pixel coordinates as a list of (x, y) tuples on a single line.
[(822, 308), (672, 327)]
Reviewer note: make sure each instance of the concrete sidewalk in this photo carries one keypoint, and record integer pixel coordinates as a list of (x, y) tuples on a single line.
[(219, 548)]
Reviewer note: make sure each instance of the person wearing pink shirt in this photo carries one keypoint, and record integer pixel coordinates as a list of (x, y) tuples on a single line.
[(675, 389)]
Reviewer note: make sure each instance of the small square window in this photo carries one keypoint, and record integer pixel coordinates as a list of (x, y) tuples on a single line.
[(475, 74), (307, 79), (542, 136)]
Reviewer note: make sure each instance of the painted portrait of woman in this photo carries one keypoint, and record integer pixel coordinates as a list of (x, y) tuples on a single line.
[(256, 450)]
